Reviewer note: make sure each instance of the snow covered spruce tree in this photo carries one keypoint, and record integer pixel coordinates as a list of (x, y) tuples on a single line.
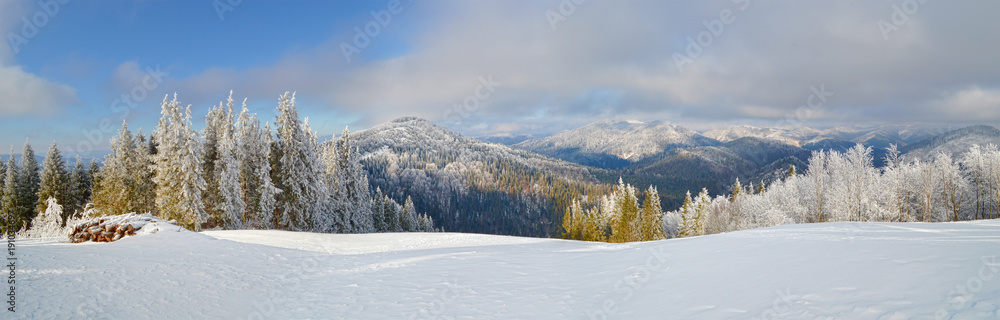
[(125, 183), (223, 197), (298, 173), (20, 190), (48, 223), (211, 197), (252, 156), (625, 215), (179, 179), (652, 216), (3, 174), (54, 180), (80, 184), (8, 200), (348, 186)]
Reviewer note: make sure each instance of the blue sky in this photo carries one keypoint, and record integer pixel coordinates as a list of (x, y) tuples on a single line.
[(483, 67)]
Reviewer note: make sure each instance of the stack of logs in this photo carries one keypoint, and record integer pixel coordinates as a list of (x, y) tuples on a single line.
[(98, 231)]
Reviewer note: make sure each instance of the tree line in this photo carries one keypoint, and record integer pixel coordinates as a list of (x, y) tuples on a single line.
[(617, 217), (234, 174), (848, 187), (836, 187)]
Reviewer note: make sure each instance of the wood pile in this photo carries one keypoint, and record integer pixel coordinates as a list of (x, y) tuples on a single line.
[(103, 230)]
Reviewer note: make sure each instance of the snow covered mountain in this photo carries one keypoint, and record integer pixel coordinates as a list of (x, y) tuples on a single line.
[(873, 136), (468, 185), (507, 139), (953, 143), (742, 131), (716, 167), (616, 143), (809, 271)]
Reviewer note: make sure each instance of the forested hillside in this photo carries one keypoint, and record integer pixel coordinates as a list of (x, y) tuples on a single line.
[(467, 185)]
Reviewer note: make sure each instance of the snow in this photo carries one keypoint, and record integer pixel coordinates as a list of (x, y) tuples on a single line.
[(812, 271)]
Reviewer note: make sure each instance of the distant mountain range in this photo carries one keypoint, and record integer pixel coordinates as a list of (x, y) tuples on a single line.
[(616, 144)]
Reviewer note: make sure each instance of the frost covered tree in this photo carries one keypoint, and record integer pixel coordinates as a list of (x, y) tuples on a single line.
[(8, 202), (348, 186), (179, 178), (124, 184), (48, 223), (26, 186), (3, 174), (625, 215), (229, 205), (80, 184), (297, 172), (407, 216), (953, 187), (54, 180), (211, 197), (652, 216), (253, 153)]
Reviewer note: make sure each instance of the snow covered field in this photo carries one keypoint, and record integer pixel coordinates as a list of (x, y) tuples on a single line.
[(815, 271)]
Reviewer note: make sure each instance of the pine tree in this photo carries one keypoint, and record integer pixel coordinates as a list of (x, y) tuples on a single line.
[(28, 184), (626, 218), (352, 185), (80, 183), (737, 190), (568, 226), (652, 216), (141, 172), (688, 218), (54, 180), (3, 175), (8, 202), (254, 152), (230, 204), (48, 223), (212, 199), (297, 172), (407, 216), (701, 204), (179, 179), (123, 185), (791, 171), (379, 213)]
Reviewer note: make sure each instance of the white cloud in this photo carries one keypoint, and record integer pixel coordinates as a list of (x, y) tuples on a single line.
[(22, 93), (768, 58), (973, 104)]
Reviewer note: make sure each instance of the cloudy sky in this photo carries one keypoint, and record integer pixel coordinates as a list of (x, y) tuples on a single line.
[(71, 72)]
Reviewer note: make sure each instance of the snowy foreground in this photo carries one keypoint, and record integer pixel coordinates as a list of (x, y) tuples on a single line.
[(815, 271)]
